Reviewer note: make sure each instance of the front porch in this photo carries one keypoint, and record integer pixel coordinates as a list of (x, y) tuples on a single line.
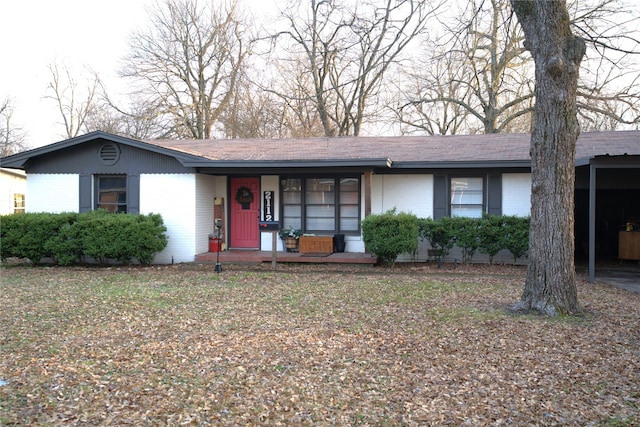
[(251, 256)]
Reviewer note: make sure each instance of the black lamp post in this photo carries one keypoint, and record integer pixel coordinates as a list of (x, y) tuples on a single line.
[(218, 268)]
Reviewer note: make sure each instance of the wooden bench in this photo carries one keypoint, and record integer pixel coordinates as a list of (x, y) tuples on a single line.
[(323, 244)]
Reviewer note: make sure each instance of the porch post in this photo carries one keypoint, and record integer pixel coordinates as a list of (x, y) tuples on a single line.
[(592, 222), (367, 193)]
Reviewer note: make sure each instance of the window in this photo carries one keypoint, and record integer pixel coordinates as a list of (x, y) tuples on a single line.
[(18, 203), (467, 196), (321, 205), (349, 204), (292, 203), (111, 192)]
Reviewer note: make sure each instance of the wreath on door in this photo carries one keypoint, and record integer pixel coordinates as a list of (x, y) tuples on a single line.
[(244, 196)]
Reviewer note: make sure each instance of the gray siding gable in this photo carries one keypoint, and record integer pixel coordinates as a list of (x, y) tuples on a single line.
[(85, 159), (81, 155)]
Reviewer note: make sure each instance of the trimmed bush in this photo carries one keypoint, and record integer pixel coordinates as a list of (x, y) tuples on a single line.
[(27, 235), (516, 235), (491, 235), (439, 233), (64, 246), (390, 234), (465, 230), (68, 238)]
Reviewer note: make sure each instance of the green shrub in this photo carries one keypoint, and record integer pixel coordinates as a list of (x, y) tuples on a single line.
[(465, 230), (63, 245), (516, 235), (122, 237), (148, 237), (28, 235), (69, 237), (10, 231), (438, 233), (491, 235), (390, 234)]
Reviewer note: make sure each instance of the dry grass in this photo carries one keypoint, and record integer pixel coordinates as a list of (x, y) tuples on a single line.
[(309, 346)]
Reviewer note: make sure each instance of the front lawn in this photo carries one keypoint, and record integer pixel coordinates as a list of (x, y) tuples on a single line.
[(182, 345)]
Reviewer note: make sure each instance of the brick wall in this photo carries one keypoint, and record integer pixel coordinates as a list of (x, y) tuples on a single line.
[(174, 197), (53, 193)]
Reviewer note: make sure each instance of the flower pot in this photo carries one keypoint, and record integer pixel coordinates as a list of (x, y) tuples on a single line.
[(291, 244), (339, 242), (214, 244)]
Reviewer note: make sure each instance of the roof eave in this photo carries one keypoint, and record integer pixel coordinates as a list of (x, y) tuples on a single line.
[(255, 164), (613, 160), (475, 164)]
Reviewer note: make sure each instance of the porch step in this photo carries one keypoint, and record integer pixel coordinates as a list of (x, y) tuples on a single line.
[(266, 256)]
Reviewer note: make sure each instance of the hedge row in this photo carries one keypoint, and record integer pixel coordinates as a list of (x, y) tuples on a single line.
[(68, 238), (390, 234)]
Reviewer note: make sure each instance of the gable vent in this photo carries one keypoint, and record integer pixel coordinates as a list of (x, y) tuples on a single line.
[(109, 154)]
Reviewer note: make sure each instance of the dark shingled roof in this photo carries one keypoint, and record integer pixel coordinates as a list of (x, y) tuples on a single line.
[(482, 150), (420, 149)]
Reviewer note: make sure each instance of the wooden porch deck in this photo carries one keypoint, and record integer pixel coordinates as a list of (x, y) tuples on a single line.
[(252, 256)]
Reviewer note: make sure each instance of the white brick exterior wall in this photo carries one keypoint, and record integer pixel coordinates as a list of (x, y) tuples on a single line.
[(186, 203), (53, 193), (174, 197), (516, 194), (406, 193), (205, 197)]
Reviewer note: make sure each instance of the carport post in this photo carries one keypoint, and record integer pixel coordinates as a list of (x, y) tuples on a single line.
[(592, 222)]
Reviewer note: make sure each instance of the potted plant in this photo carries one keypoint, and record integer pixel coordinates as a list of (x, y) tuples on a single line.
[(290, 236), (214, 243)]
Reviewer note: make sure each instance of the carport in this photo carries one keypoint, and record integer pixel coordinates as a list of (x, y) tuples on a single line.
[(607, 198)]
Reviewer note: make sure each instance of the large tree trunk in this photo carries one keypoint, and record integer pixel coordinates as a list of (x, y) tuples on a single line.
[(551, 283)]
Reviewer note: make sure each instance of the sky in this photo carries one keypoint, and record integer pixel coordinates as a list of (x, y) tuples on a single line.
[(77, 33), (80, 34)]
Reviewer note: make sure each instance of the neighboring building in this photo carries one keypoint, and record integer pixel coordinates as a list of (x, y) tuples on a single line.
[(320, 185), (13, 189)]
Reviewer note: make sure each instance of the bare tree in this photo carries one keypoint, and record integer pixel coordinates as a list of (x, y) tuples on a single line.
[(550, 285), (491, 79), (188, 62), (139, 120), (251, 114), (479, 70), (12, 138), (75, 103), (609, 87), (347, 50), (296, 113), (440, 80)]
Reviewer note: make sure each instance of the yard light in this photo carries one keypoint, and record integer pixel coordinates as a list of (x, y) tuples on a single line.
[(218, 268)]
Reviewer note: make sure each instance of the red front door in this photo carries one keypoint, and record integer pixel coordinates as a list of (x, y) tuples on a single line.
[(245, 213)]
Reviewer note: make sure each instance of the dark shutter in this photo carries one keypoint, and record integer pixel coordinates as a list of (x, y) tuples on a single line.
[(494, 194), (133, 194), (440, 197), (85, 203)]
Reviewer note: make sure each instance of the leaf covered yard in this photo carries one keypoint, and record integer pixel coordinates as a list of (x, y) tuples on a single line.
[(182, 345)]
